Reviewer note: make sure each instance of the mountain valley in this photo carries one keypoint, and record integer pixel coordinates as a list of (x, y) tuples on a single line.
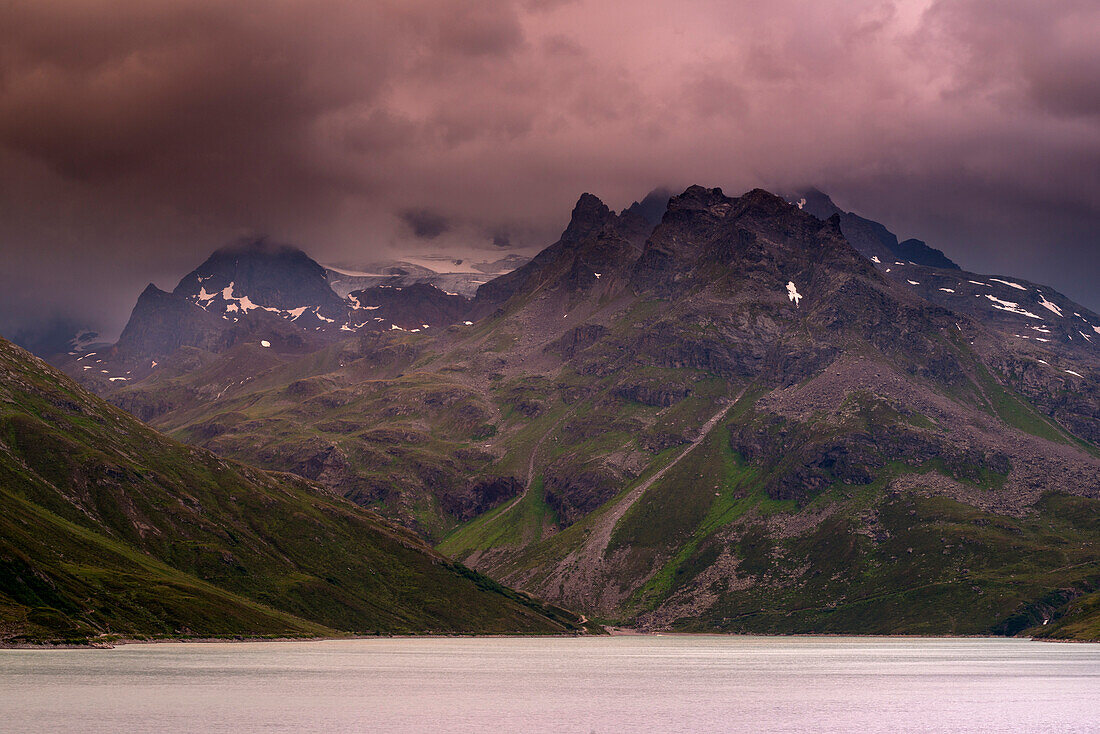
[(737, 414)]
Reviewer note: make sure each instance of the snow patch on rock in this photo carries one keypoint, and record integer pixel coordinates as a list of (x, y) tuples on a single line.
[(792, 292), (1048, 305), (1012, 307)]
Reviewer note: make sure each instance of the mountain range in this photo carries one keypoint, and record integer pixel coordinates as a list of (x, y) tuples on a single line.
[(702, 413)]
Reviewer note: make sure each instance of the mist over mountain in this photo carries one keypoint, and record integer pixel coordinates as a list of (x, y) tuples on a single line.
[(365, 133)]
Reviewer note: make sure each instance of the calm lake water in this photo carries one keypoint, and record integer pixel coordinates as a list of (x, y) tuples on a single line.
[(619, 684)]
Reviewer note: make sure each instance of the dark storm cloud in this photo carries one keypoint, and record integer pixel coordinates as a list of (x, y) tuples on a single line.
[(135, 137), (425, 224), (1043, 53)]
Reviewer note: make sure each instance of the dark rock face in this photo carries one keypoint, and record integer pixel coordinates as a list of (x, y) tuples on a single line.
[(573, 494), (710, 354), (1073, 401), (656, 395), (162, 322), (480, 496), (409, 307), (871, 238), (270, 274), (578, 339), (802, 465), (145, 407)]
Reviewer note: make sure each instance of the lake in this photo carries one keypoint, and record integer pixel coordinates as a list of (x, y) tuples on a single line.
[(611, 684)]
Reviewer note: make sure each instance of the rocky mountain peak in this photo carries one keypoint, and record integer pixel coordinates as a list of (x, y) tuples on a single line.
[(266, 273), (589, 216), (257, 247), (757, 232), (697, 198), (161, 322), (761, 203), (151, 292)]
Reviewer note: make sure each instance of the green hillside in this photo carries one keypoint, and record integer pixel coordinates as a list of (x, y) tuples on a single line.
[(109, 529)]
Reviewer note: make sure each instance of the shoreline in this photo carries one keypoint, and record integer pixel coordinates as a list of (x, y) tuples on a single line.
[(611, 632)]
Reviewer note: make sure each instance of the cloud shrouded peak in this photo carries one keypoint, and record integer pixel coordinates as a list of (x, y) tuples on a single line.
[(137, 137)]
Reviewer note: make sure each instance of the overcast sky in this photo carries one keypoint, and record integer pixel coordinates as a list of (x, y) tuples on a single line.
[(137, 135)]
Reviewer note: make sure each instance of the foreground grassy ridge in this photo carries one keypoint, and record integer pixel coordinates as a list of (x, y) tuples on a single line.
[(63, 582), (110, 528)]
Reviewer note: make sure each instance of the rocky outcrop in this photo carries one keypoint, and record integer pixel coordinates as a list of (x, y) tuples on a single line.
[(655, 394), (800, 464), (597, 243), (573, 492), (577, 340), (479, 496)]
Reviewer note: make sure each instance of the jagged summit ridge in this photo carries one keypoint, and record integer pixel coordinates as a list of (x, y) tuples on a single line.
[(589, 215), (757, 230)]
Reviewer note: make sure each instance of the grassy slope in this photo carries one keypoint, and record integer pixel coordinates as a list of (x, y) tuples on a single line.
[(932, 565), (108, 527)]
